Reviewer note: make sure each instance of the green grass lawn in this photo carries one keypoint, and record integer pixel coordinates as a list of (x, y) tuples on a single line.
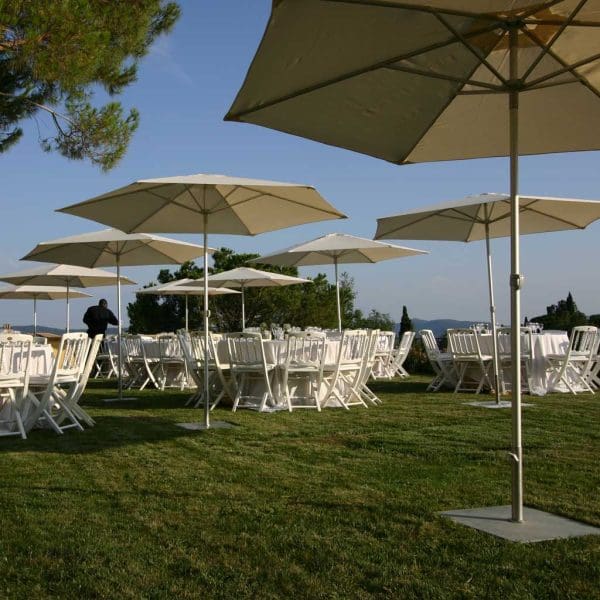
[(303, 505)]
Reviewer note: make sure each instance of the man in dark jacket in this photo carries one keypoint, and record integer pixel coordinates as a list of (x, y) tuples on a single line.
[(98, 317)]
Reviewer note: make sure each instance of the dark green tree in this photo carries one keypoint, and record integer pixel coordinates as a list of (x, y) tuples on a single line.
[(374, 320), (55, 55), (562, 315), (405, 322), (300, 305)]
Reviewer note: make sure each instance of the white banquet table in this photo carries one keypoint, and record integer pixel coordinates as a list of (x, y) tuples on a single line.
[(548, 342)]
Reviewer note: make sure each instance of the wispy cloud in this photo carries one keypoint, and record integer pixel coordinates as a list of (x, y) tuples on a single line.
[(161, 53)]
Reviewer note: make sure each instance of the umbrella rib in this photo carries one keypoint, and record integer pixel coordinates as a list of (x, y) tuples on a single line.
[(543, 214), (566, 67), (546, 47), (355, 73), (424, 73), (574, 23), (283, 198), (478, 55)]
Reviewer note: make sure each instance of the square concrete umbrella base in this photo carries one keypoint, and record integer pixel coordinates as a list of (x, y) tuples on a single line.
[(494, 404), (202, 426), (537, 526)]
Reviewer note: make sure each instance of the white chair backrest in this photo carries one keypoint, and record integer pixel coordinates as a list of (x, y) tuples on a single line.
[(169, 346), (72, 352), (353, 345), (15, 357), (89, 362), (431, 346), (406, 342), (133, 347), (246, 349), (305, 349), (583, 340), (463, 343), (504, 345), (385, 341)]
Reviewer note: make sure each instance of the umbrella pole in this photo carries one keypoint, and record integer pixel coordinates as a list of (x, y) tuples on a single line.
[(68, 315), (492, 313), (186, 313), (206, 317), (34, 315), (243, 309), (516, 454), (119, 328), (337, 293)]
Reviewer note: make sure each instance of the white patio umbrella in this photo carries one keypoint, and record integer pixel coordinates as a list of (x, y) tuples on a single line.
[(335, 249), (487, 216), (184, 287), (111, 247), (435, 80), (38, 292), (68, 275), (206, 204), (245, 277)]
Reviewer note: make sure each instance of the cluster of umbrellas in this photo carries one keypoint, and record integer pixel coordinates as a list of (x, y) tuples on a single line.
[(431, 80)]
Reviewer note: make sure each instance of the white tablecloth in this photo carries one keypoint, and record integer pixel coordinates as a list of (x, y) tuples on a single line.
[(551, 342)]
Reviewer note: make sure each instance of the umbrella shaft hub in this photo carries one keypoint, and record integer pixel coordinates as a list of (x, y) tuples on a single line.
[(516, 281)]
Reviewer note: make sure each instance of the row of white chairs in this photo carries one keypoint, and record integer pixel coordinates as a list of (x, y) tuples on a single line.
[(45, 400), (390, 360), (306, 378), (465, 367)]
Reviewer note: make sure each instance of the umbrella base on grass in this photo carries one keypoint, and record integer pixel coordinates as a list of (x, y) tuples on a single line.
[(494, 404), (202, 426), (537, 525)]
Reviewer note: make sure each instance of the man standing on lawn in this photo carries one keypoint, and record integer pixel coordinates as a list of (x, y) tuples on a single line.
[(97, 318)]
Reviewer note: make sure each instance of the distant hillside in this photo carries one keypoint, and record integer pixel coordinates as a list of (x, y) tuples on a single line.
[(438, 326)]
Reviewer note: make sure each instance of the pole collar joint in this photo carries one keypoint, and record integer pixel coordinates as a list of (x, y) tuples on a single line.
[(206, 313), (516, 281), (512, 457)]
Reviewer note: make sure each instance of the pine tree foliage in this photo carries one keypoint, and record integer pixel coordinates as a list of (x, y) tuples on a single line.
[(55, 55)]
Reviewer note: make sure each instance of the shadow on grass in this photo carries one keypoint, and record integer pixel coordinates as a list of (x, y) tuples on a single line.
[(399, 386), (110, 432)]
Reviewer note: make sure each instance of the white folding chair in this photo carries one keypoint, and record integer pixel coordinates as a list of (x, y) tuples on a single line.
[(15, 360), (106, 360), (249, 365), (142, 367), (592, 371), (343, 378), (218, 371), (369, 360), (570, 368), (442, 363), (505, 356), (72, 396), (399, 356), (53, 393), (472, 366), (171, 370), (384, 354), (303, 369)]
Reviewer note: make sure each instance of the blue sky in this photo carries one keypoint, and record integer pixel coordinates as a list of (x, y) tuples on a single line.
[(185, 87)]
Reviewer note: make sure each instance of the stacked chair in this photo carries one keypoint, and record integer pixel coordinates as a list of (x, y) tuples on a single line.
[(442, 363)]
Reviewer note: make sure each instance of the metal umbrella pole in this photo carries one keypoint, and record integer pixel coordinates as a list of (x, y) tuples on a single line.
[(337, 293), (243, 307), (119, 341), (492, 309), (34, 315), (515, 284), (186, 313), (68, 314), (206, 319)]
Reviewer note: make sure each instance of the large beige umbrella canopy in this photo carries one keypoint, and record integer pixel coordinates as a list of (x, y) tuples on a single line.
[(435, 80), (111, 247), (39, 292), (486, 216), (67, 275), (245, 277), (184, 287), (207, 204), (335, 249)]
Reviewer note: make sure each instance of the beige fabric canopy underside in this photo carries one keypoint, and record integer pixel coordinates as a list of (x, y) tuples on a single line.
[(410, 85), (247, 277), (465, 220), (73, 275)]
